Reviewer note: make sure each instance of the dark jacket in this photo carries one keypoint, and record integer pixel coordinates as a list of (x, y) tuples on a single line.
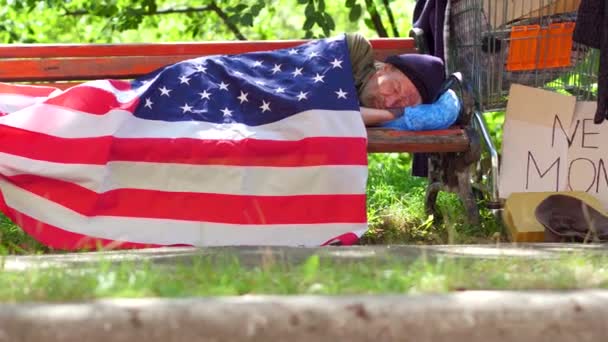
[(592, 30), (429, 15)]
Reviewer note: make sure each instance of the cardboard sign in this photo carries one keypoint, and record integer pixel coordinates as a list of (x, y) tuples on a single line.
[(550, 143), (500, 12)]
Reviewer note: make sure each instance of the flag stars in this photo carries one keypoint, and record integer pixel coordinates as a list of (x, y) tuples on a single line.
[(224, 86), (302, 96), (184, 79), (260, 83), (293, 52), (201, 68), (313, 54), (277, 68), (243, 97), (186, 108), (164, 91), (205, 95), (227, 112), (280, 90), (265, 106), (149, 103), (336, 63), (297, 72), (341, 94), (257, 64), (319, 78)]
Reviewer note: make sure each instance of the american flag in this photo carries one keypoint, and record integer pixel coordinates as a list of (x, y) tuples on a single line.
[(263, 148)]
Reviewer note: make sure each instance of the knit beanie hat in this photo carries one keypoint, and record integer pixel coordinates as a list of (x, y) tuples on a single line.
[(425, 71)]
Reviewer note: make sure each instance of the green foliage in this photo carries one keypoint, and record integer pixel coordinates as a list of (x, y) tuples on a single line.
[(112, 21)]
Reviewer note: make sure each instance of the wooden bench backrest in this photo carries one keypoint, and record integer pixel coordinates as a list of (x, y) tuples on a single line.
[(70, 62)]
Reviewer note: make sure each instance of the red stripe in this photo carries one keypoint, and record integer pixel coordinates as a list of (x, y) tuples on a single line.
[(57, 238), (347, 239), (26, 90), (91, 100), (120, 84), (247, 152), (206, 207)]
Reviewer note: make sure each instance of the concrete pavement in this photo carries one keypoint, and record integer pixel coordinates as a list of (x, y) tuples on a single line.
[(468, 316)]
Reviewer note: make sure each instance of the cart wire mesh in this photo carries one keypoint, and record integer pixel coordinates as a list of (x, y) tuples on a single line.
[(495, 43)]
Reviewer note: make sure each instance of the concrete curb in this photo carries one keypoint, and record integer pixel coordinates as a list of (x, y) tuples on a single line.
[(468, 316)]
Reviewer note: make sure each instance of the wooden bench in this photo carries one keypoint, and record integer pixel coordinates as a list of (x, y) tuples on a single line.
[(452, 150)]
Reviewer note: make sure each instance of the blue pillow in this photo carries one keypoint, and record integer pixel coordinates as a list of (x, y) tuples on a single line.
[(441, 114)]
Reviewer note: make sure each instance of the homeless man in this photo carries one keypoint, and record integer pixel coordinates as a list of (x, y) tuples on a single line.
[(386, 88)]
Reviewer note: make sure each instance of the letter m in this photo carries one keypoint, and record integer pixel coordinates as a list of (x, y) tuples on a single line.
[(541, 173)]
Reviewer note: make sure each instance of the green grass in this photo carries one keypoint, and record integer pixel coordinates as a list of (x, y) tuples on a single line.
[(207, 276), (396, 209)]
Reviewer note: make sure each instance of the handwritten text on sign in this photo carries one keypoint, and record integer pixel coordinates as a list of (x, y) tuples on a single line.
[(585, 166), (550, 143)]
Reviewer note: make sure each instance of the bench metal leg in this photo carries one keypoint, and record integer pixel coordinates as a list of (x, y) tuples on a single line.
[(430, 203), (451, 172), (465, 192)]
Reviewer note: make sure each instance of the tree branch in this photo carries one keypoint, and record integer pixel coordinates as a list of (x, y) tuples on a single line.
[(212, 7), (376, 19), (391, 19), (226, 20), (164, 11)]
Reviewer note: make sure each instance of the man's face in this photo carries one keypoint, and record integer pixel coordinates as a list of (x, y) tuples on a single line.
[(389, 88)]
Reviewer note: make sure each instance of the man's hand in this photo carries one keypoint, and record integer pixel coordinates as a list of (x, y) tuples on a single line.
[(373, 116)]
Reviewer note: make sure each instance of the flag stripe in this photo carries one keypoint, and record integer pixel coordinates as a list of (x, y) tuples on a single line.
[(277, 181), (242, 209), (12, 102), (58, 238), (91, 100), (247, 152), (22, 205), (26, 90), (65, 123)]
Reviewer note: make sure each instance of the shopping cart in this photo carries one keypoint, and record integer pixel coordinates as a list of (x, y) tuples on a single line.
[(495, 43)]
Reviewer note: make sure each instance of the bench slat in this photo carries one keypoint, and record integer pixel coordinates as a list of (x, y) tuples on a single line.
[(170, 49), (91, 68), (449, 140), (82, 68), (83, 62)]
